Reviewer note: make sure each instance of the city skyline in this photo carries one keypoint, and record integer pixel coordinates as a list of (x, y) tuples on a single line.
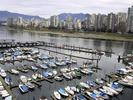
[(48, 8)]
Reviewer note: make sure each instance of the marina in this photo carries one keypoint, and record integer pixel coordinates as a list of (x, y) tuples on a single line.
[(66, 72)]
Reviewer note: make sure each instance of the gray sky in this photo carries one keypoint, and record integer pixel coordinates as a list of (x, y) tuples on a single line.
[(46, 8)]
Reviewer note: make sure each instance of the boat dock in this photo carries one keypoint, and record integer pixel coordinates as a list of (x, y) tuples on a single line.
[(68, 54), (13, 44), (113, 78), (42, 79), (38, 84)]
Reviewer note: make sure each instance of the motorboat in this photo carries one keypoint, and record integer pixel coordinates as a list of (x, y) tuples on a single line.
[(4, 93), (35, 76), (39, 75), (54, 72), (69, 90), (23, 88), (64, 70), (14, 71), (57, 95), (24, 79), (91, 83), (101, 94), (8, 97), (110, 89), (99, 81), (67, 76), (58, 78), (3, 73), (63, 92), (94, 96), (84, 85), (116, 86), (122, 71), (86, 71), (52, 64), (8, 80), (43, 56), (106, 91), (78, 97), (47, 74), (30, 85), (73, 88), (34, 68), (44, 66), (127, 81)]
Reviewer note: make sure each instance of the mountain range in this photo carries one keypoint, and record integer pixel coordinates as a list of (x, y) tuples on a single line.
[(5, 14)]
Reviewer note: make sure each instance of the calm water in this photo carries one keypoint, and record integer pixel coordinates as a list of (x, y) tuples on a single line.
[(108, 63)]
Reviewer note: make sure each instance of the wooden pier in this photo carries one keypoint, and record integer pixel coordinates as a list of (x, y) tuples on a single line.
[(14, 44), (68, 54)]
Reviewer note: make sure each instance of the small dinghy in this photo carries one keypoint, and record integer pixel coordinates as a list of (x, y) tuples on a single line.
[(57, 95), (23, 88), (63, 92)]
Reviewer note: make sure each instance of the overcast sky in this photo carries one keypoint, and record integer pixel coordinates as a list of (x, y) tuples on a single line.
[(46, 8)]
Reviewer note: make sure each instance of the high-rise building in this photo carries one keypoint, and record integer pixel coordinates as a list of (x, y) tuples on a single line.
[(19, 21), (98, 25), (121, 22), (88, 21), (54, 21), (69, 23), (62, 24), (104, 23), (111, 22), (77, 24), (121, 17), (93, 22), (130, 20), (10, 21)]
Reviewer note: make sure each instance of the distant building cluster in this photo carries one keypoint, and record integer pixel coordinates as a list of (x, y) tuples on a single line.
[(120, 22)]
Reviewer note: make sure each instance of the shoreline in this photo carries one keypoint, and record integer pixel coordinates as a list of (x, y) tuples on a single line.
[(91, 35)]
